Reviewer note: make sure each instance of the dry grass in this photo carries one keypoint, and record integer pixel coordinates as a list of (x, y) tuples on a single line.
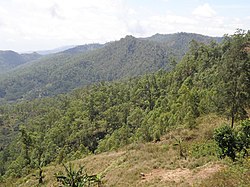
[(152, 164), (235, 175), (183, 174)]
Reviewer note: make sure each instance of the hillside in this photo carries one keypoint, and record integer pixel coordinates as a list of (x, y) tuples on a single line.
[(84, 65), (157, 164), (10, 59), (180, 42), (167, 112), (56, 50), (82, 48)]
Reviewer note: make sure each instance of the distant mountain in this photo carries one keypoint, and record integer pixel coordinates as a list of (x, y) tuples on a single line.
[(30, 56), (87, 64), (11, 59), (182, 38), (56, 50), (82, 48), (179, 42)]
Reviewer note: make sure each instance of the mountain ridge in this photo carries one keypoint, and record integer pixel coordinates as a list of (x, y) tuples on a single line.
[(10, 59), (87, 64)]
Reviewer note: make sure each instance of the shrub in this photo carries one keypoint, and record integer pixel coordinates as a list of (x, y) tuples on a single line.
[(233, 142), (243, 137), (77, 178), (226, 140)]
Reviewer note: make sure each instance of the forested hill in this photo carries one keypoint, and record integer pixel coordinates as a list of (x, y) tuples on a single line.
[(210, 79), (11, 59), (180, 42), (84, 65), (82, 48)]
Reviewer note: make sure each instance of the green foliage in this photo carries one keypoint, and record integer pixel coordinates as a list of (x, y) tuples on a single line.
[(26, 145), (204, 149), (85, 65), (226, 140), (243, 137), (233, 79), (232, 142), (179, 43), (182, 149), (77, 178), (122, 134)]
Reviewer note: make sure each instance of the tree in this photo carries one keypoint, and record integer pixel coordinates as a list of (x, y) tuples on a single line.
[(27, 142), (235, 75)]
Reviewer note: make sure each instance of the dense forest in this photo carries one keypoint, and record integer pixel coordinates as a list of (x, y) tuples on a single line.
[(210, 78), (83, 65)]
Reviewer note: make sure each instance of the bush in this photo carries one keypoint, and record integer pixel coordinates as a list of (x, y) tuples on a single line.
[(226, 140), (233, 142), (243, 137), (77, 178)]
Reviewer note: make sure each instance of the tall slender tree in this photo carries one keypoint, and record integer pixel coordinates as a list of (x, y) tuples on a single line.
[(235, 74)]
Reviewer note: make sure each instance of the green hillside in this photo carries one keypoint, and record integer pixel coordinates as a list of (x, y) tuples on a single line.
[(10, 59), (84, 65), (180, 42), (157, 164), (173, 108), (82, 48)]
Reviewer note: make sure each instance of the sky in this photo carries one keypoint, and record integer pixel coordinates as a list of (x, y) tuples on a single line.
[(31, 25)]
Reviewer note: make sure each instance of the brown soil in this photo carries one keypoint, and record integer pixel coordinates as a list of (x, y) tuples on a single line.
[(183, 174)]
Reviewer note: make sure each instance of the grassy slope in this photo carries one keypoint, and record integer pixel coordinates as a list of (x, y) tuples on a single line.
[(160, 163)]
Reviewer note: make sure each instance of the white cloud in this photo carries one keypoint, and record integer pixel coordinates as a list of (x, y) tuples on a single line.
[(33, 25), (204, 11), (56, 12), (62, 22), (168, 23), (171, 23)]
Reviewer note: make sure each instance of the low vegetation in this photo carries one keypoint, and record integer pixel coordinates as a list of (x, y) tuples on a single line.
[(78, 178), (158, 163), (233, 143)]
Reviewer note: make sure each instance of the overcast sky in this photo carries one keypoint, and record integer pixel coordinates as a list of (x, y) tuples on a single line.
[(30, 25)]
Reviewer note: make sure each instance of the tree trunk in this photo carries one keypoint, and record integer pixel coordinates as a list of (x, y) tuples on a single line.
[(232, 123)]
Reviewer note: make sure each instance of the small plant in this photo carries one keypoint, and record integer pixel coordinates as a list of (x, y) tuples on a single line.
[(182, 149), (77, 178)]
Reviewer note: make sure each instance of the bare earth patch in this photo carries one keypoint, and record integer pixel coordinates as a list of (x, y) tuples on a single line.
[(183, 174)]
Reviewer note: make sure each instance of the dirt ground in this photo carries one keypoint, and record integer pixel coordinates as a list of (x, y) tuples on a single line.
[(183, 174)]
